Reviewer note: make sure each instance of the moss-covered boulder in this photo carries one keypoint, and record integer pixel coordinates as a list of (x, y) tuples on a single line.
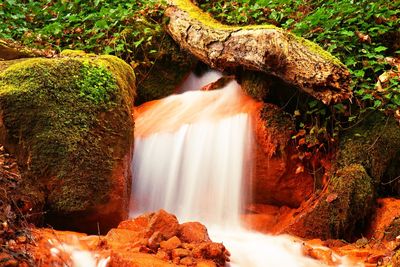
[(340, 210), (367, 154), (68, 121), (374, 144)]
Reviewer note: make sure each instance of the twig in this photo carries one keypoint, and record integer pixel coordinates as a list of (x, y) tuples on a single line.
[(391, 181)]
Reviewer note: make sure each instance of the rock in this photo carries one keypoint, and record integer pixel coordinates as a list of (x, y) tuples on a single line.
[(155, 240), (163, 222), (122, 238), (275, 180), (193, 232), (341, 218), (171, 243), (68, 121), (211, 251), (161, 254), (126, 247), (385, 224), (323, 255), (375, 144), (187, 261), (136, 224), (204, 263), (180, 253), (129, 259)]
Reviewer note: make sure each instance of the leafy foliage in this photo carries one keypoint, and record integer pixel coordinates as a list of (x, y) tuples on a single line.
[(100, 26), (98, 84)]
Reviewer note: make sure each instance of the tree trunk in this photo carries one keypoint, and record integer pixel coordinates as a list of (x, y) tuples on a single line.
[(263, 48)]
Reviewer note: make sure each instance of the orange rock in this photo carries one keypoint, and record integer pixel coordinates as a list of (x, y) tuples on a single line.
[(187, 261), (129, 259), (193, 232), (161, 254), (137, 224), (324, 255), (386, 221), (171, 243), (275, 180), (165, 223), (123, 238), (205, 263), (180, 253)]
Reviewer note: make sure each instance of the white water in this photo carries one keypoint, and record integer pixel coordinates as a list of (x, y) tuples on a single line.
[(196, 171)]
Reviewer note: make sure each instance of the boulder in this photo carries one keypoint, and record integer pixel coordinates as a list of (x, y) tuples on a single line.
[(193, 232), (340, 210), (68, 121), (276, 179)]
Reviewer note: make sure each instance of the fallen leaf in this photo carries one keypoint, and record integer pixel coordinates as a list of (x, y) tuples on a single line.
[(331, 197)]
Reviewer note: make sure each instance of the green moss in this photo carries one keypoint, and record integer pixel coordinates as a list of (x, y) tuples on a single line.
[(76, 53), (356, 193), (204, 18), (342, 209), (71, 118), (372, 143), (315, 48)]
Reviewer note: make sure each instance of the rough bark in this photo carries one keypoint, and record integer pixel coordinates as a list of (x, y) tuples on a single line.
[(263, 48), (10, 50)]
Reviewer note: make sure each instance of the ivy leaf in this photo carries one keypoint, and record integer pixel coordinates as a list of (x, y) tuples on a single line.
[(380, 48), (101, 24)]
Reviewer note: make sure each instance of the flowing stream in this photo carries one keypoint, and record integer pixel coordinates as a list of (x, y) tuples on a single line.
[(192, 158)]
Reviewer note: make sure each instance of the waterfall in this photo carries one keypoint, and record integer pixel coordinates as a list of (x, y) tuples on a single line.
[(192, 158)]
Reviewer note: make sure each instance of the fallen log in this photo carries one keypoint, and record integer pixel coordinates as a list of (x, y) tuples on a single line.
[(263, 48), (10, 50)]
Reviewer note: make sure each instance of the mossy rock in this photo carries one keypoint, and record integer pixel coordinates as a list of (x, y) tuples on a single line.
[(341, 210), (374, 144), (68, 120)]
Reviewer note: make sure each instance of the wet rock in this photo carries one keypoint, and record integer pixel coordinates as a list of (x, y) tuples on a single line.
[(193, 232), (180, 253), (171, 243), (159, 234), (163, 222), (187, 261), (385, 224), (275, 180)]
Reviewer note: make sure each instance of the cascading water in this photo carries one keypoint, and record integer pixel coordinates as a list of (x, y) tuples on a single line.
[(192, 158)]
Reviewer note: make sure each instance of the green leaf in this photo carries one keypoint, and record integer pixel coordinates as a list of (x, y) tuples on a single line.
[(380, 49), (101, 24)]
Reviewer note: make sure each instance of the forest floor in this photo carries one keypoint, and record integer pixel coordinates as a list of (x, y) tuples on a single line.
[(14, 228)]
